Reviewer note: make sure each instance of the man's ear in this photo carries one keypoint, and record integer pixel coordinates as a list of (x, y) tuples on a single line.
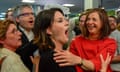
[(49, 31)]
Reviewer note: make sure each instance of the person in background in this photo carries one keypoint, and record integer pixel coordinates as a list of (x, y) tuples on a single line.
[(77, 29), (115, 34), (9, 14), (24, 18), (118, 26), (51, 33), (112, 22), (85, 49), (10, 40), (82, 19), (71, 32)]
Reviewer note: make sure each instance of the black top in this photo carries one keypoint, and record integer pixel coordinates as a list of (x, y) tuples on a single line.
[(47, 64), (26, 50)]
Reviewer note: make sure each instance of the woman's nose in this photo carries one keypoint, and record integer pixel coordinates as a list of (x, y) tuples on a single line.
[(89, 22), (19, 33), (67, 21)]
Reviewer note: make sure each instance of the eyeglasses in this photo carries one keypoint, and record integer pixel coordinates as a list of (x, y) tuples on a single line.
[(26, 14)]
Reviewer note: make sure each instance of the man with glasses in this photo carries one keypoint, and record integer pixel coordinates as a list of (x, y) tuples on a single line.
[(115, 64), (24, 18)]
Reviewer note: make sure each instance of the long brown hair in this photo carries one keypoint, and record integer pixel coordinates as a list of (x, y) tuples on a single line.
[(105, 30), (43, 20)]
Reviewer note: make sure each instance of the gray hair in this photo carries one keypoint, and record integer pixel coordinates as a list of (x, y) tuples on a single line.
[(17, 10)]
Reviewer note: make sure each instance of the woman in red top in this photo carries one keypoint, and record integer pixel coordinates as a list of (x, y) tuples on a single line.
[(86, 49)]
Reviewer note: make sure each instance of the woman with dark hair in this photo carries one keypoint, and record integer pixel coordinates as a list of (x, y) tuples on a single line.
[(51, 33), (87, 48)]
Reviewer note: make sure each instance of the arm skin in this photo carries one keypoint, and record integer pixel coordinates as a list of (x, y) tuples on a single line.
[(69, 59), (116, 59), (35, 60)]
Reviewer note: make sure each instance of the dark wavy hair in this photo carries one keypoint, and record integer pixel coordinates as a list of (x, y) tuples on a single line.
[(43, 20)]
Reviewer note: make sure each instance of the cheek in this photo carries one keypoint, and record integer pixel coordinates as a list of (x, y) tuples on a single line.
[(9, 42), (57, 30), (99, 25), (57, 33), (15, 42), (12, 41), (25, 25), (23, 21)]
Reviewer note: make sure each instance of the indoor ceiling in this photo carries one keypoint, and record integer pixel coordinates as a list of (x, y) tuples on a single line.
[(5, 4), (79, 4)]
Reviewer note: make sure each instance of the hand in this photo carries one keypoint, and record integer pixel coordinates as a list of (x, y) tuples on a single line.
[(35, 60), (105, 63), (66, 58)]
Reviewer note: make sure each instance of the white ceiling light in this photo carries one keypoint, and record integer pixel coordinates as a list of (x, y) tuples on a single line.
[(68, 5), (2, 13), (1, 16), (28, 1)]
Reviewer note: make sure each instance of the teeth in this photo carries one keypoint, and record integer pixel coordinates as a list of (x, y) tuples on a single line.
[(91, 26)]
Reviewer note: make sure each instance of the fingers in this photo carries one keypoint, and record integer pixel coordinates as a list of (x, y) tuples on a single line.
[(31, 57), (35, 59), (101, 58), (64, 64), (108, 59), (60, 57), (61, 61)]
